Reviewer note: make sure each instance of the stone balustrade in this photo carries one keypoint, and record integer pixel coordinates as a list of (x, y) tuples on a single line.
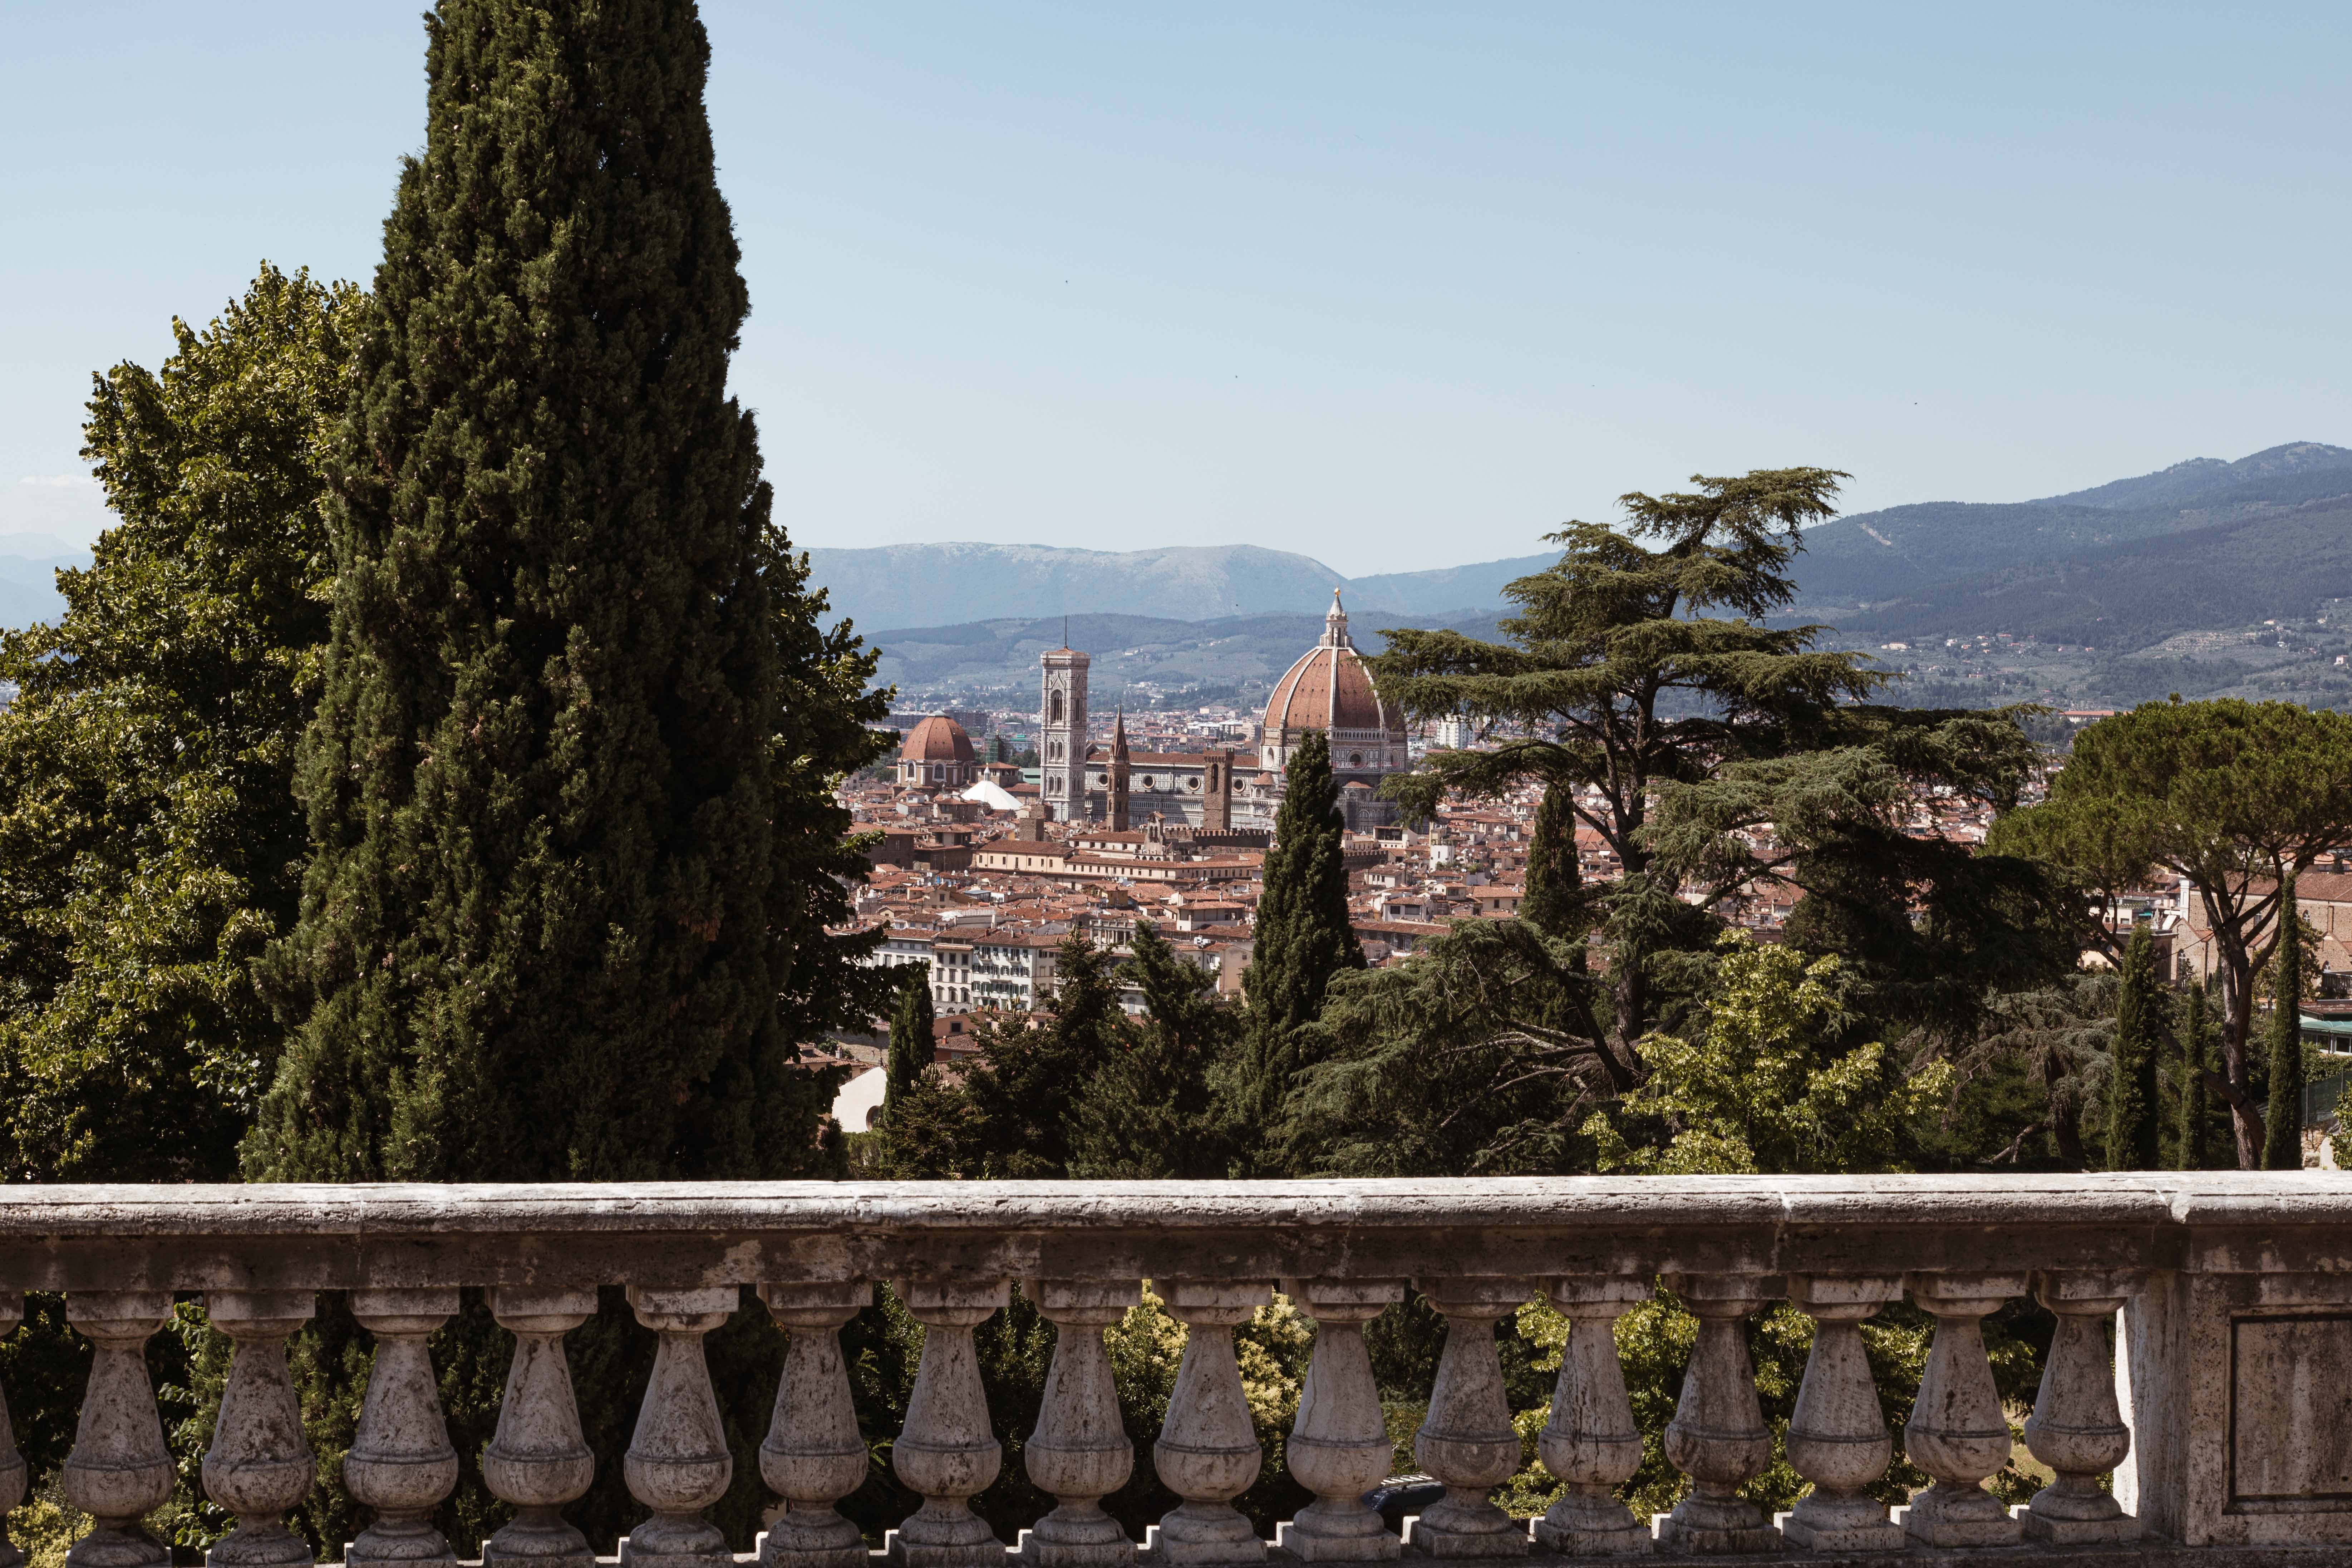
[(2224, 1415)]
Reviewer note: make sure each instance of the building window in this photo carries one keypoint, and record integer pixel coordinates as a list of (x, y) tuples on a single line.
[(1355, 758), (1054, 708)]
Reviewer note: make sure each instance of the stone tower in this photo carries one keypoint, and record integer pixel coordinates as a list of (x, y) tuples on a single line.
[(1217, 791), (1062, 735), (1116, 796)]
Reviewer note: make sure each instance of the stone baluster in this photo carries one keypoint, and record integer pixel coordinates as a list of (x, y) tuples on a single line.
[(1208, 1452), (1718, 1437), (1080, 1451), (260, 1464), (948, 1452), (815, 1454), (1591, 1441), (119, 1470), (401, 1463), (1467, 1440), (1957, 1432), (12, 1463), (1837, 1435), (1340, 1447), (538, 1460), (677, 1464), (2076, 1427)]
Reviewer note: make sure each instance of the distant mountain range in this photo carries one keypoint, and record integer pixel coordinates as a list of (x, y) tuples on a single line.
[(2198, 545), (898, 585), (1232, 658), (2121, 566)]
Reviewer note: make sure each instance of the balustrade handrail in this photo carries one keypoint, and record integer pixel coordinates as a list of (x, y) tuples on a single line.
[(320, 1235), (2219, 1415)]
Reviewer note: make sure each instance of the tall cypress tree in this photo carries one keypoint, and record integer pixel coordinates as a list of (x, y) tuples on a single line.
[(2283, 1120), (911, 1043), (2193, 1146), (1303, 935), (2133, 1123), (557, 790), (1554, 900)]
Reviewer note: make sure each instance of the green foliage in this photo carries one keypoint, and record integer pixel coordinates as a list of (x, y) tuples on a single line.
[(2052, 1045), (1832, 822), (1023, 1086), (2135, 1131), (1449, 1064), (2194, 1140), (566, 781), (2282, 1118), (1620, 679), (2230, 796), (1769, 1084), (149, 841), (1303, 936), (1150, 1110), (911, 1045)]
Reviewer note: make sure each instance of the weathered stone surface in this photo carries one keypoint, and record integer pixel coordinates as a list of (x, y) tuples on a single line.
[(119, 1470), (815, 1454), (2231, 1402), (401, 1463), (1079, 1451), (1338, 1447), (1837, 1435)]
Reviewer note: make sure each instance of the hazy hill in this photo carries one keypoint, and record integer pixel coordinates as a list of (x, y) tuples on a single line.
[(932, 584), (29, 576), (1235, 656), (2201, 544)]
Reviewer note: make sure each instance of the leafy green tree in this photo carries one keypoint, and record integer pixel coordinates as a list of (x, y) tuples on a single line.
[(911, 1045), (1150, 1110), (150, 841), (1615, 675), (1453, 1063), (565, 806), (1832, 821), (1304, 936), (2230, 795), (2054, 1042), (1767, 1085), (1030, 1074), (2134, 1129), (2192, 1148), (2282, 1118)]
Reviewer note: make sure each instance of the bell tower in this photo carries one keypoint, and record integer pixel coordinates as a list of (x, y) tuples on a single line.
[(1116, 812), (1062, 735)]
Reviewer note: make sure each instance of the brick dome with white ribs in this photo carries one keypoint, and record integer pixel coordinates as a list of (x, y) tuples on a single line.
[(937, 752), (1329, 688)]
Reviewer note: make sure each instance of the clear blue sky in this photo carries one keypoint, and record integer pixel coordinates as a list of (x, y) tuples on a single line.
[(1394, 286)]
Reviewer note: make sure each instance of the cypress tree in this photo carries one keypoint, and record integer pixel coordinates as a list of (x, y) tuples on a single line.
[(2283, 1120), (2193, 1146), (912, 1043), (1554, 903), (1304, 936), (2133, 1120), (568, 788), (563, 843)]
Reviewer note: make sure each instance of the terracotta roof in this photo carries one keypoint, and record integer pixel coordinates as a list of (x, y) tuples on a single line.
[(938, 739), (1329, 688)]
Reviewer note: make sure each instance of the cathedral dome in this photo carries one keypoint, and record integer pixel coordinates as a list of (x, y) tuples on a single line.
[(938, 739), (1330, 688)]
